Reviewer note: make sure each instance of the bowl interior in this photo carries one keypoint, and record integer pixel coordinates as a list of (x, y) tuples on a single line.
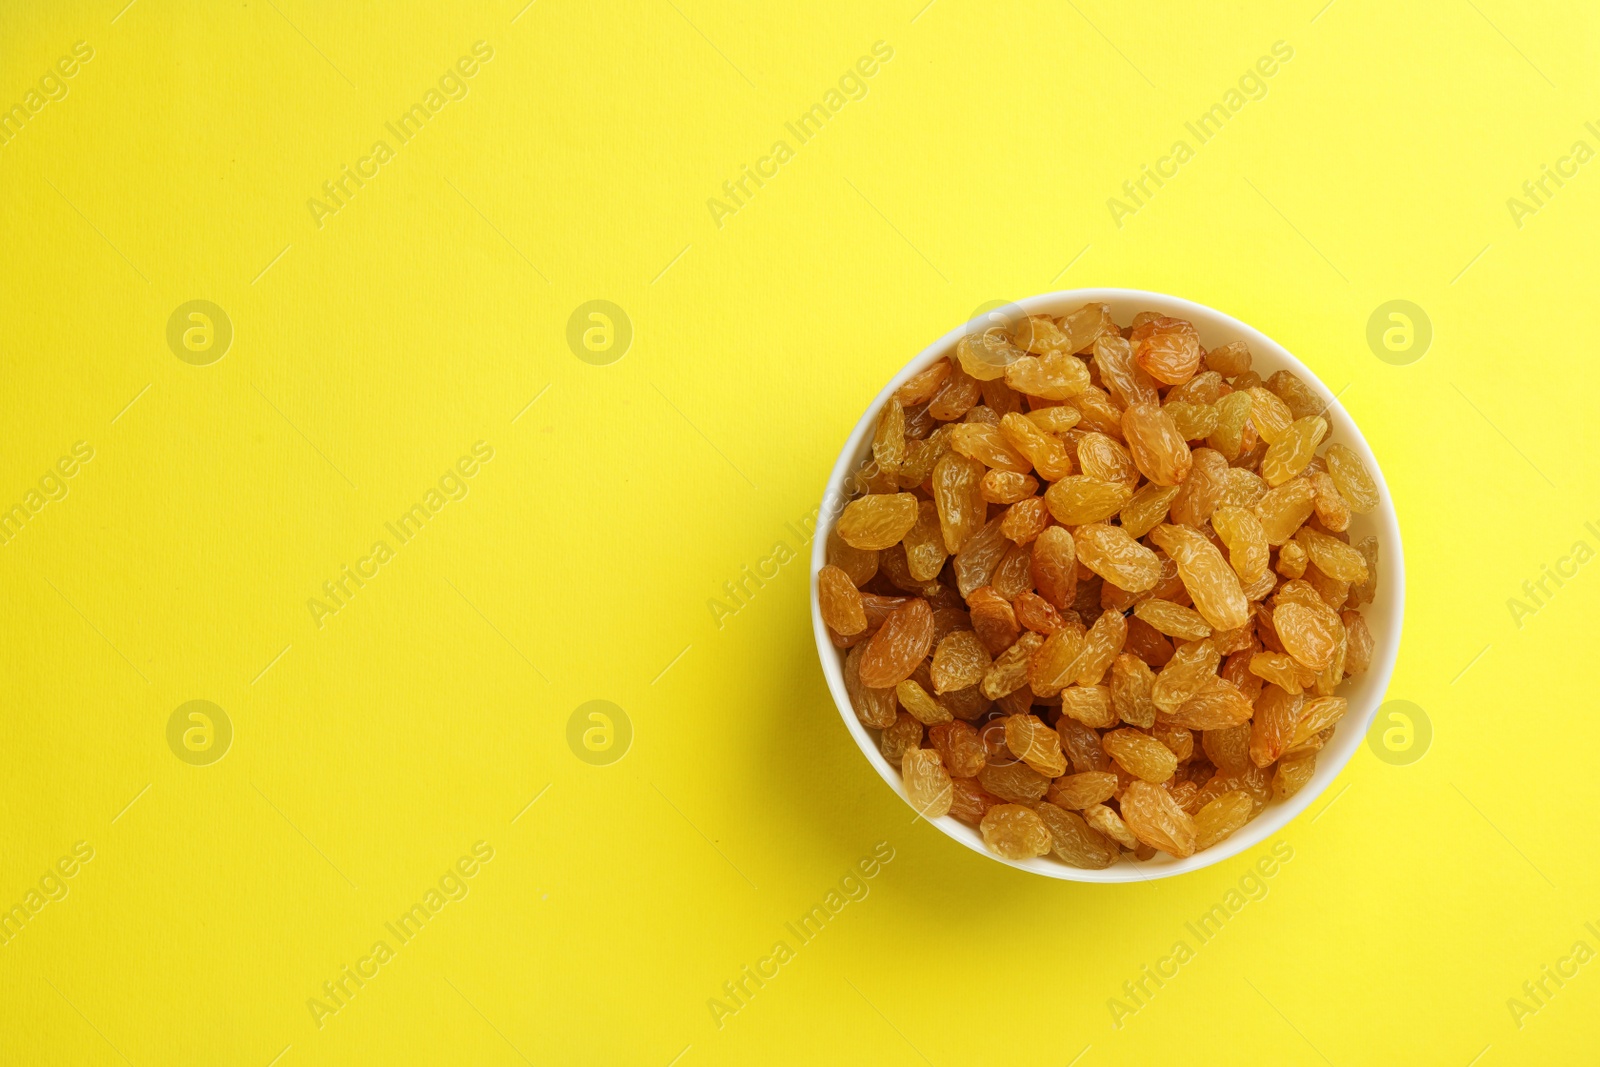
[(1383, 615)]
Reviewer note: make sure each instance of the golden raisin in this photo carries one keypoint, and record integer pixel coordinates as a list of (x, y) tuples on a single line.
[(902, 642), (840, 601), (1159, 450), (877, 521), (927, 782), (1014, 832)]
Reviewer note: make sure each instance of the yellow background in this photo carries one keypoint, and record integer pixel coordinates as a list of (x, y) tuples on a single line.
[(370, 353)]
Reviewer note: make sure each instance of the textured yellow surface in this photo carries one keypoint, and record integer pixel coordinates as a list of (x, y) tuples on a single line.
[(423, 737)]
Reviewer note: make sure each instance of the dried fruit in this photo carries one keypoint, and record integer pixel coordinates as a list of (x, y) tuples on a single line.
[(969, 800), (1146, 509), (1055, 418), (1054, 376), (927, 782), (1157, 821), (985, 356), (1055, 665), (1105, 821), (1191, 665), (1282, 670), (1228, 747), (1221, 817), (1078, 791), (924, 708), (1222, 585), (889, 440), (1072, 839), (1309, 634), (1195, 422), (1101, 645), (956, 397), (1036, 613), (1009, 672), (1040, 333), (1272, 730), (1292, 774), (1045, 451), (1217, 704), (1140, 754), (959, 661), (1025, 520), (1233, 415), (1146, 643), (924, 544), (1350, 476), (900, 644), (1007, 487), (1270, 416), (921, 386), (1090, 705), (1167, 349), (1132, 682), (1035, 744), (1206, 575), (1229, 360), (1240, 530), (1105, 458), (1317, 715), (988, 446), (877, 521), (959, 748), (875, 707), (1202, 491), (840, 601), (1055, 566), (1244, 488), (1174, 620), (956, 493), (1282, 510), (1077, 499), (1206, 387), (1332, 556), (1294, 450), (1301, 399), (968, 703), (1014, 832), (1180, 739), (1109, 552), (859, 564), (1126, 381), (1017, 782), (1358, 643), (900, 737), (993, 619), (1331, 509), (1159, 450), (975, 564)]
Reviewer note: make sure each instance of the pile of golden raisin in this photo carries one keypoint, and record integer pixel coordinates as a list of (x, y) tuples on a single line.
[(1096, 586)]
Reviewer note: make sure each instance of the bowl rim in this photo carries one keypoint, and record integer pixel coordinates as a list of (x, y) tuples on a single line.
[(1385, 615)]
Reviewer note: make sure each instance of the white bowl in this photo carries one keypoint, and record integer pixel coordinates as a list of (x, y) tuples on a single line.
[(1383, 615)]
